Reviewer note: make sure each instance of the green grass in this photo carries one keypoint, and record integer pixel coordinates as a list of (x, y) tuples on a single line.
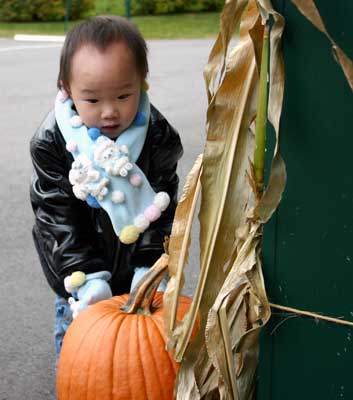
[(116, 7), (198, 25), (193, 25)]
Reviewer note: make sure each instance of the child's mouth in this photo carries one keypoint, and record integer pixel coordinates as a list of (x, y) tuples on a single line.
[(110, 128)]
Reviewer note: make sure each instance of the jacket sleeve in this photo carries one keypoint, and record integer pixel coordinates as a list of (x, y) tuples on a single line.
[(63, 233), (165, 151)]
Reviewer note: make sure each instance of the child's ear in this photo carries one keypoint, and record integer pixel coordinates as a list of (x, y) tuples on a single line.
[(144, 85), (65, 87)]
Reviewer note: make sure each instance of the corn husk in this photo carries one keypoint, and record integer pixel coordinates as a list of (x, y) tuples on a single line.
[(230, 297)]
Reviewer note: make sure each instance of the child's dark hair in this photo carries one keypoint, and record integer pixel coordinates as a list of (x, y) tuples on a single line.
[(102, 31)]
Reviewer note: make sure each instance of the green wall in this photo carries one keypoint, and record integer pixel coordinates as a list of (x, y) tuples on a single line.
[(308, 244)]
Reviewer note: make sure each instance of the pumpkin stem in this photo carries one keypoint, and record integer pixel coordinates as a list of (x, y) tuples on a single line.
[(142, 295)]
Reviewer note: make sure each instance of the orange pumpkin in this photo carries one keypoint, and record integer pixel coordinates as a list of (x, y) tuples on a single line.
[(115, 350)]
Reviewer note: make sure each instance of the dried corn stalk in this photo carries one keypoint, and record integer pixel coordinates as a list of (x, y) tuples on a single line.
[(230, 297)]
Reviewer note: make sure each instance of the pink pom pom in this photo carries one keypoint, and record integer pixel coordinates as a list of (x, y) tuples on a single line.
[(152, 213), (63, 95), (71, 146), (136, 180)]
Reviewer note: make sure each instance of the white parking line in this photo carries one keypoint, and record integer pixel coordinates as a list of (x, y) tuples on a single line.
[(40, 38), (15, 48)]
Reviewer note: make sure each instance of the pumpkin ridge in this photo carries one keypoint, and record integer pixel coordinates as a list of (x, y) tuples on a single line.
[(160, 328), (82, 375), (183, 306), (119, 319), (82, 337), (70, 342), (141, 324), (155, 335), (104, 341), (137, 362), (121, 357), (67, 370), (92, 377), (104, 321)]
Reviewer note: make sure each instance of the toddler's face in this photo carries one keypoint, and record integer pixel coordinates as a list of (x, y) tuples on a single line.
[(105, 87)]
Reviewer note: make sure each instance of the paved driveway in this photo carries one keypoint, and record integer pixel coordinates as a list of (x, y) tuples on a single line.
[(27, 84)]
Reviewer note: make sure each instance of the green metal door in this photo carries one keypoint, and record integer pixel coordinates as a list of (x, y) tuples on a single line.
[(308, 244)]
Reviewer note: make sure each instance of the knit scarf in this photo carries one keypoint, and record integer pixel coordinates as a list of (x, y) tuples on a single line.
[(104, 172)]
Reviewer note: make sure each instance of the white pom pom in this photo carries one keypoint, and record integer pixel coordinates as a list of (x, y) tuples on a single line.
[(76, 121), (93, 175), (67, 284), (161, 200), (141, 222), (71, 146), (123, 172), (124, 149), (102, 193), (118, 197)]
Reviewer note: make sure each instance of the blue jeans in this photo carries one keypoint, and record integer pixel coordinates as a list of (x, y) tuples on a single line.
[(62, 320), (63, 314)]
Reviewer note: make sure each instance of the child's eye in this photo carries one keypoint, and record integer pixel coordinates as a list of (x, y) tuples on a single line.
[(92, 101), (124, 96)]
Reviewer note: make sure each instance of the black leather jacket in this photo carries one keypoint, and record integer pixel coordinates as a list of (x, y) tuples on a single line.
[(71, 236)]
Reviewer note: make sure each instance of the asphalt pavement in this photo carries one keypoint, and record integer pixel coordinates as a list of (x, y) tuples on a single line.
[(28, 88)]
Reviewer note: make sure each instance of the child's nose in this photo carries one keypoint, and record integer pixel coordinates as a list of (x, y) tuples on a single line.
[(109, 111)]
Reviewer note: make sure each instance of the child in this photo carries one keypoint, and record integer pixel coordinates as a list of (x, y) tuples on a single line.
[(104, 185)]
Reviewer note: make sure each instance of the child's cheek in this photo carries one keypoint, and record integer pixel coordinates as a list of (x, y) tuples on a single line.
[(89, 116)]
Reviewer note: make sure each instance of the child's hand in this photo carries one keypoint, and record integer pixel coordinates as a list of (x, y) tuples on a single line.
[(90, 293), (88, 289), (76, 306)]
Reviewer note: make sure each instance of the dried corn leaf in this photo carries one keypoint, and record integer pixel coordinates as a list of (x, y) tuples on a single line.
[(230, 297), (241, 308), (231, 114), (226, 202), (214, 69), (236, 318), (179, 243)]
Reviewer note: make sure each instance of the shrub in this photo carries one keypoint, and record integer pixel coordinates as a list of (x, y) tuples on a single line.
[(16, 10), (114, 7), (211, 5), (171, 6), (49, 10), (78, 8), (42, 10), (143, 7)]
